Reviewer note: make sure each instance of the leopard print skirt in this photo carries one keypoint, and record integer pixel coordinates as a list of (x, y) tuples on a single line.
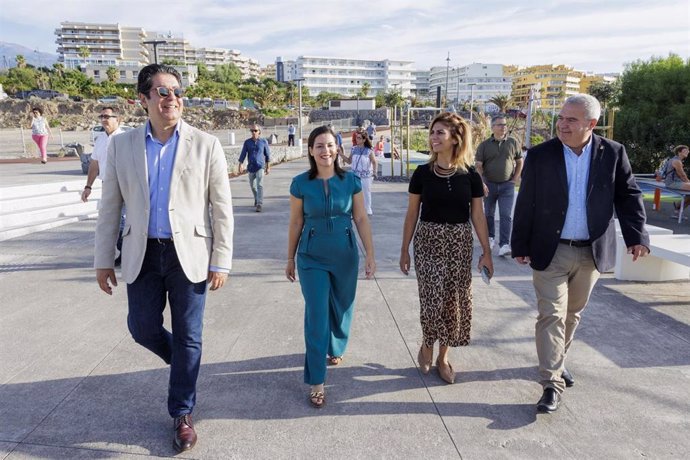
[(443, 262)]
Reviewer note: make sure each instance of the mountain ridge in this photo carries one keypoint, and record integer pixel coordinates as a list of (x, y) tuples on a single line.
[(36, 58)]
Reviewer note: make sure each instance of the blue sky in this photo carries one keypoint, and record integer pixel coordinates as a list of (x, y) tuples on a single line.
[(596, 36)]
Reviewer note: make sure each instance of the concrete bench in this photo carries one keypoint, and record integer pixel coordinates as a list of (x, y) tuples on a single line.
[(669, 258)]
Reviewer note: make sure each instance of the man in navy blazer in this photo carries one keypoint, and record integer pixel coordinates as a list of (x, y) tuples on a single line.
[(564, 228)]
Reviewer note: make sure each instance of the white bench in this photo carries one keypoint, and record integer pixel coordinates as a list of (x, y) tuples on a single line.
[(669, 258)]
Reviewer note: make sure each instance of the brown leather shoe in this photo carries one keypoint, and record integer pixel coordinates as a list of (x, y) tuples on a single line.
[(185, 436)]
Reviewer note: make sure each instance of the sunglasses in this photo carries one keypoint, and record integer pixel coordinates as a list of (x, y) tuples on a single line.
[(165, 92), (254, 130), (105, 117)]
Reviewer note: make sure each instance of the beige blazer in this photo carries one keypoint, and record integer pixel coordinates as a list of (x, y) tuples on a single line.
[(200, 206)]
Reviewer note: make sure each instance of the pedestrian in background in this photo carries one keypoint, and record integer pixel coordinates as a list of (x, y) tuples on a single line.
[(97, 164), (364, 165), (675, 177), (291, 135), (324, 202), (499, 161), (258, 155), (40, 132), (449, 192)]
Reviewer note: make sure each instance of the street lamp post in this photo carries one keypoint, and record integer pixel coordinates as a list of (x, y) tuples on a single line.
[(447, 70), (155, 44), (299, 120), (472, 85), (553, 113)]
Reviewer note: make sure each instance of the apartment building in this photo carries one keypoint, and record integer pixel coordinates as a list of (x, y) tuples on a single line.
[(550, 84), (420, 83), (176, 47), (113, 45), (588, 80), (107, 44), (346, 76), (476, 82), (249, 67)]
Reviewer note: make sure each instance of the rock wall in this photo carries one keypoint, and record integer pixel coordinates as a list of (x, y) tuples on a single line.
[(279, 154), (77, 116)]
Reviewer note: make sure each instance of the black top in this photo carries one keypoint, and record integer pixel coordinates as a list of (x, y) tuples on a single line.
[(446, 200)]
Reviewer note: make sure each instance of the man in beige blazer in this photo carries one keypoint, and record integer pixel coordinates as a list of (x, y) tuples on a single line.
[(177, 239)]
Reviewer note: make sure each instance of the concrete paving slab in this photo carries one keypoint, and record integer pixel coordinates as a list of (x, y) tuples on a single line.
[(79, 387)]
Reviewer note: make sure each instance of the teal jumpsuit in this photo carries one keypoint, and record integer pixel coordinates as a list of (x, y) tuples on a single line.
[(327, 264)]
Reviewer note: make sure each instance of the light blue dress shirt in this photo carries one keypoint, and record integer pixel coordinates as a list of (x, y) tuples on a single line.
[(577, 170), (160, 158)]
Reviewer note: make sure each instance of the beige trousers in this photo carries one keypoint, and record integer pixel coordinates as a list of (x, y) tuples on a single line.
[(562, 291)]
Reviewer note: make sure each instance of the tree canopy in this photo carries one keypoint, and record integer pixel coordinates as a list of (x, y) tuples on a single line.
[(654, 110)]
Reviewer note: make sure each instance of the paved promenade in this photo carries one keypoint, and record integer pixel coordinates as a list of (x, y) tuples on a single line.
[(73, 384)]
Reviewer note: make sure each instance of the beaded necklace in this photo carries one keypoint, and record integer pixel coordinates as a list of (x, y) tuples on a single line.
[(445, 173)]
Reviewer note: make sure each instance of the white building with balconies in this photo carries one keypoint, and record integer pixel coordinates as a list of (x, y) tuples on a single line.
[(107, 45), (347, 76), (475, 82)]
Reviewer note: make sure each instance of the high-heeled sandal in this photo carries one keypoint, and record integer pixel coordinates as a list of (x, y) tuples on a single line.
[(424, 366), (334, 360), (317, 399), (447, 374)]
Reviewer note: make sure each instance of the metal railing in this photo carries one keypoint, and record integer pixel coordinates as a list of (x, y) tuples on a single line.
[(17, 142)]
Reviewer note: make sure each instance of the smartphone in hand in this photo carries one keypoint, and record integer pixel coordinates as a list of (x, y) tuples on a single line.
[(486, 276)]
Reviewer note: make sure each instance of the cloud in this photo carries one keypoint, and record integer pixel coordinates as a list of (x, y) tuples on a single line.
[(586, 34)]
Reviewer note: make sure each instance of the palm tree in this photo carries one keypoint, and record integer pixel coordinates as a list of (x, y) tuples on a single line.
[(364, 90), (84, 53), (21, 61), (59, 69), (112, 74), (502, 101)]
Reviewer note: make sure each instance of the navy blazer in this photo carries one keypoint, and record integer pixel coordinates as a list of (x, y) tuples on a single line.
[(543, 201)]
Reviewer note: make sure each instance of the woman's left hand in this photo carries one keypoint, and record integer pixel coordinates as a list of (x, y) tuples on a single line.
[(369, 267), (290, 270), (486, 261)]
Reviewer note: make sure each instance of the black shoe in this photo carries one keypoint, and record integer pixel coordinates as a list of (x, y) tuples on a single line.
[(549, 401), (568, 378)]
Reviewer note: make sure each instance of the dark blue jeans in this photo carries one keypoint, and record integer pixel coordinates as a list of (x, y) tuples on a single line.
[(504, 193), (161, 275)]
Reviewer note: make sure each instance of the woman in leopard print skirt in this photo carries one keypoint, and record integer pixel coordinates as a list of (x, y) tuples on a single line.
[(449, 192)]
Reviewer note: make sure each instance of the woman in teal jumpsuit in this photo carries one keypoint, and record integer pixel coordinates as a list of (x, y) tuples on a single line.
[(324, 202)]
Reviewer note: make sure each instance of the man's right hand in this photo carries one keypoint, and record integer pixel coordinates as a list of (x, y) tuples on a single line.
[(522, 260), (85, 195), (239, 169), (102, 276)]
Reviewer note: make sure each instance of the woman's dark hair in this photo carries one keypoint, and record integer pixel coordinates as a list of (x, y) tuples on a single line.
[(145, 79), (313, 171), (37, 109), (365, 136)]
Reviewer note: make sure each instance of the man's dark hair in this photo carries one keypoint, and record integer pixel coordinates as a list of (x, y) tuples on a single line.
[(145, 79), (115, 110), (497, 116)]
